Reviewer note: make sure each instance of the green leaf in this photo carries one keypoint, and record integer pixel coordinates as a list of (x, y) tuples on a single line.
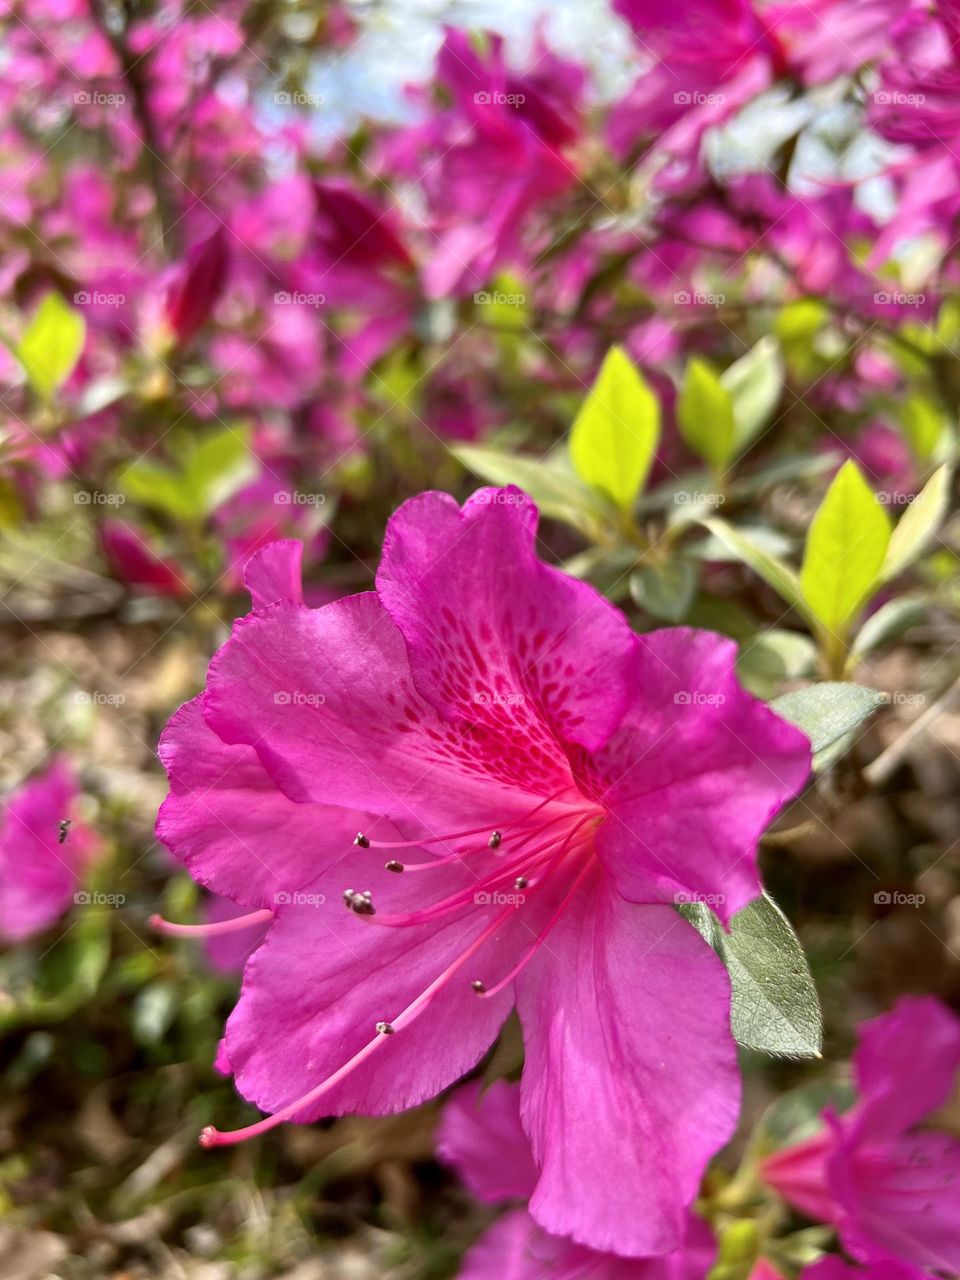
[(615, 434), (218, 466), (891, 620), (754, 383), (773, 571), (555, 489), (917, 525), (705, 415), (769, 658), (51, 345), (845, 550), (665, 590), (775, 1007), (213, 469), (829, 714), (922, 422)]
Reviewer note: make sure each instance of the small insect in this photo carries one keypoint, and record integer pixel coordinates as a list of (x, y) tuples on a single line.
[(64, 826)]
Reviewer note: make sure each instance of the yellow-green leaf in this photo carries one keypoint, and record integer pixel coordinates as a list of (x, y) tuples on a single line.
[(923, 423), (845, 550), (754, 382), (918, 524), (616, 432), (50, 346), (705, 415)]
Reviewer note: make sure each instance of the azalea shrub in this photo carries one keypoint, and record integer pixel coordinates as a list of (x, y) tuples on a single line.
[(478, 691)]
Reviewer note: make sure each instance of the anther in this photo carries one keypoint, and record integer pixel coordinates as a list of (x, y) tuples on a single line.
[(478, 987), (360, 903), (385, 1028), (64, 825), (362, 840), (494, 841), (393, 865), (521, 882)]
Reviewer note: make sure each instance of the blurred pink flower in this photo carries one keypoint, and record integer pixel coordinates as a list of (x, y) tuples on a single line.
[(44, 851)]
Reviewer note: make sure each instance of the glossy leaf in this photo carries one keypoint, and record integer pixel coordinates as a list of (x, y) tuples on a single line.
[(845, 550), (918, 524), (705, 415), (615, 434)]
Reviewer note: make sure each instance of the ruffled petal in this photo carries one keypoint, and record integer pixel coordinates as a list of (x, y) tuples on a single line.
[(496, 636), (630, 1079), (227, 821), (325, 698), (694, 776)]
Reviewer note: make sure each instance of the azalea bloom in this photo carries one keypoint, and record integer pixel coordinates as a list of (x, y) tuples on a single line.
[(834, 1268), (481, 1137), (531, 787), (43, 852), (884, 1173)]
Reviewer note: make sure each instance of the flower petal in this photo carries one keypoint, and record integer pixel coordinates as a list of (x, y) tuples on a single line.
[(694, 776), (227, 821), (275, 573), (315, 990), (495, 635), (630, 1083), (481, 1136), (325, 698)]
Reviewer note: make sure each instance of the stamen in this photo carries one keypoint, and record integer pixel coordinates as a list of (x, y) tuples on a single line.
[(361, 840), (174, 930), (521, 882), (211, 1137), (360, 903), (366, 843), (393, 865), (385, 1028), (518, 968), (494, 841)]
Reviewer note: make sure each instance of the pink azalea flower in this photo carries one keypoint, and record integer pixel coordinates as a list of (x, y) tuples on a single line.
[(43, 852), (883, 1173), (541, 784), (481, 1136)]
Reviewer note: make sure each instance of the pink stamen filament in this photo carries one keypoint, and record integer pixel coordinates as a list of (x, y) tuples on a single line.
[(500, 851), (174, 930), (489, 993), (543, 856), (457, 835), (211, 1137)]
